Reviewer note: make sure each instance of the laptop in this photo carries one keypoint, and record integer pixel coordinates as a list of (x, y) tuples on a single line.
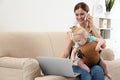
[(56, 66)]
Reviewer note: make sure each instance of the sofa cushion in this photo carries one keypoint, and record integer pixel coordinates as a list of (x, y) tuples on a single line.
[(51, 77), (55, 77), (32, 44), (3, 54)]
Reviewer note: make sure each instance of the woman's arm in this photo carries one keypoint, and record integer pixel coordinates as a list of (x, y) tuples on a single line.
[(100, 40), (99, 44), (68, 47), (94, 30)]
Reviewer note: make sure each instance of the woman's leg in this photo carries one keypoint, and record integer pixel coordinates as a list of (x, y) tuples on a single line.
[(84, 75), (97, 73)]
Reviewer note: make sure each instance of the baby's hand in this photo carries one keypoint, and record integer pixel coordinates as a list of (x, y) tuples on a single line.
[(72, 60), (97, 48)]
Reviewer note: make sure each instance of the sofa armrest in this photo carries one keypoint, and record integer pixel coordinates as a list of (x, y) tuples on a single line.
[(29, 66), (107, 54)]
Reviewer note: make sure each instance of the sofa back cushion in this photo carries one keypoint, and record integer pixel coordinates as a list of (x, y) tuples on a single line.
[(32, 44), (3, 54)]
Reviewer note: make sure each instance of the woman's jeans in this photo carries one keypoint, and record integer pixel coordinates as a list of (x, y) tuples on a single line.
[(96, 73)]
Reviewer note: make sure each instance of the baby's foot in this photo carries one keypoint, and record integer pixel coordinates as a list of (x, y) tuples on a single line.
[(109, 76)]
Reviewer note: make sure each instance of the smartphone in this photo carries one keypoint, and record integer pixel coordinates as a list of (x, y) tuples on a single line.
[(86, 17)]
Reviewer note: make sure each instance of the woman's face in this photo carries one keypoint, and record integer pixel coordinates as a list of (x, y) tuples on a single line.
[(80, 15)]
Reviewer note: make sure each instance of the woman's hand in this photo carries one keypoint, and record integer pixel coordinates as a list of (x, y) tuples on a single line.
[(90, 21), (100, 43)]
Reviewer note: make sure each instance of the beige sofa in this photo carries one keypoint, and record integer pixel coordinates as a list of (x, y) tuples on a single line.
[(18, 51)]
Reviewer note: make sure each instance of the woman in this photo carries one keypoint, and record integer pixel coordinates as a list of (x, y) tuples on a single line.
[(86, 21)]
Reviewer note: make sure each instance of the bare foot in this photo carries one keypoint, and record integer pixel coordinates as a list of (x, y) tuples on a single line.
[(109, 76)]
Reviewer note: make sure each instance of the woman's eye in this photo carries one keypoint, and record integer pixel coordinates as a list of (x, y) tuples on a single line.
[(81, 14), (77, 14)]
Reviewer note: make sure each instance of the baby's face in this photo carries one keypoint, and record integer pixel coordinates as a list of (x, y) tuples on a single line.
[(80, 39)]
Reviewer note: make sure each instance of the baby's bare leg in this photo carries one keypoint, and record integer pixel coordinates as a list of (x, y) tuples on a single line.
[(84, 66), (103, 64)]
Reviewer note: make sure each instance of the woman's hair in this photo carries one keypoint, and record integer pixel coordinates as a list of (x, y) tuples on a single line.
[(81, 5)]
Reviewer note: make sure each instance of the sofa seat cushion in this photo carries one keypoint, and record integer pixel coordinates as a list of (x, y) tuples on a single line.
[(51, 77), (54, 77)]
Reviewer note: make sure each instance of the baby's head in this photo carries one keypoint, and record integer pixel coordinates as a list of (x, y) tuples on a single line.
[(80, 35)]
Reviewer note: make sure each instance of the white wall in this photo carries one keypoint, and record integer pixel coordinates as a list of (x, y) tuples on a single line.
[(114, 41), (37, 15), (50, 15)]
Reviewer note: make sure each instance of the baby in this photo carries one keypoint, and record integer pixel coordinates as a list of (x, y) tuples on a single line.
[(81, 37)]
